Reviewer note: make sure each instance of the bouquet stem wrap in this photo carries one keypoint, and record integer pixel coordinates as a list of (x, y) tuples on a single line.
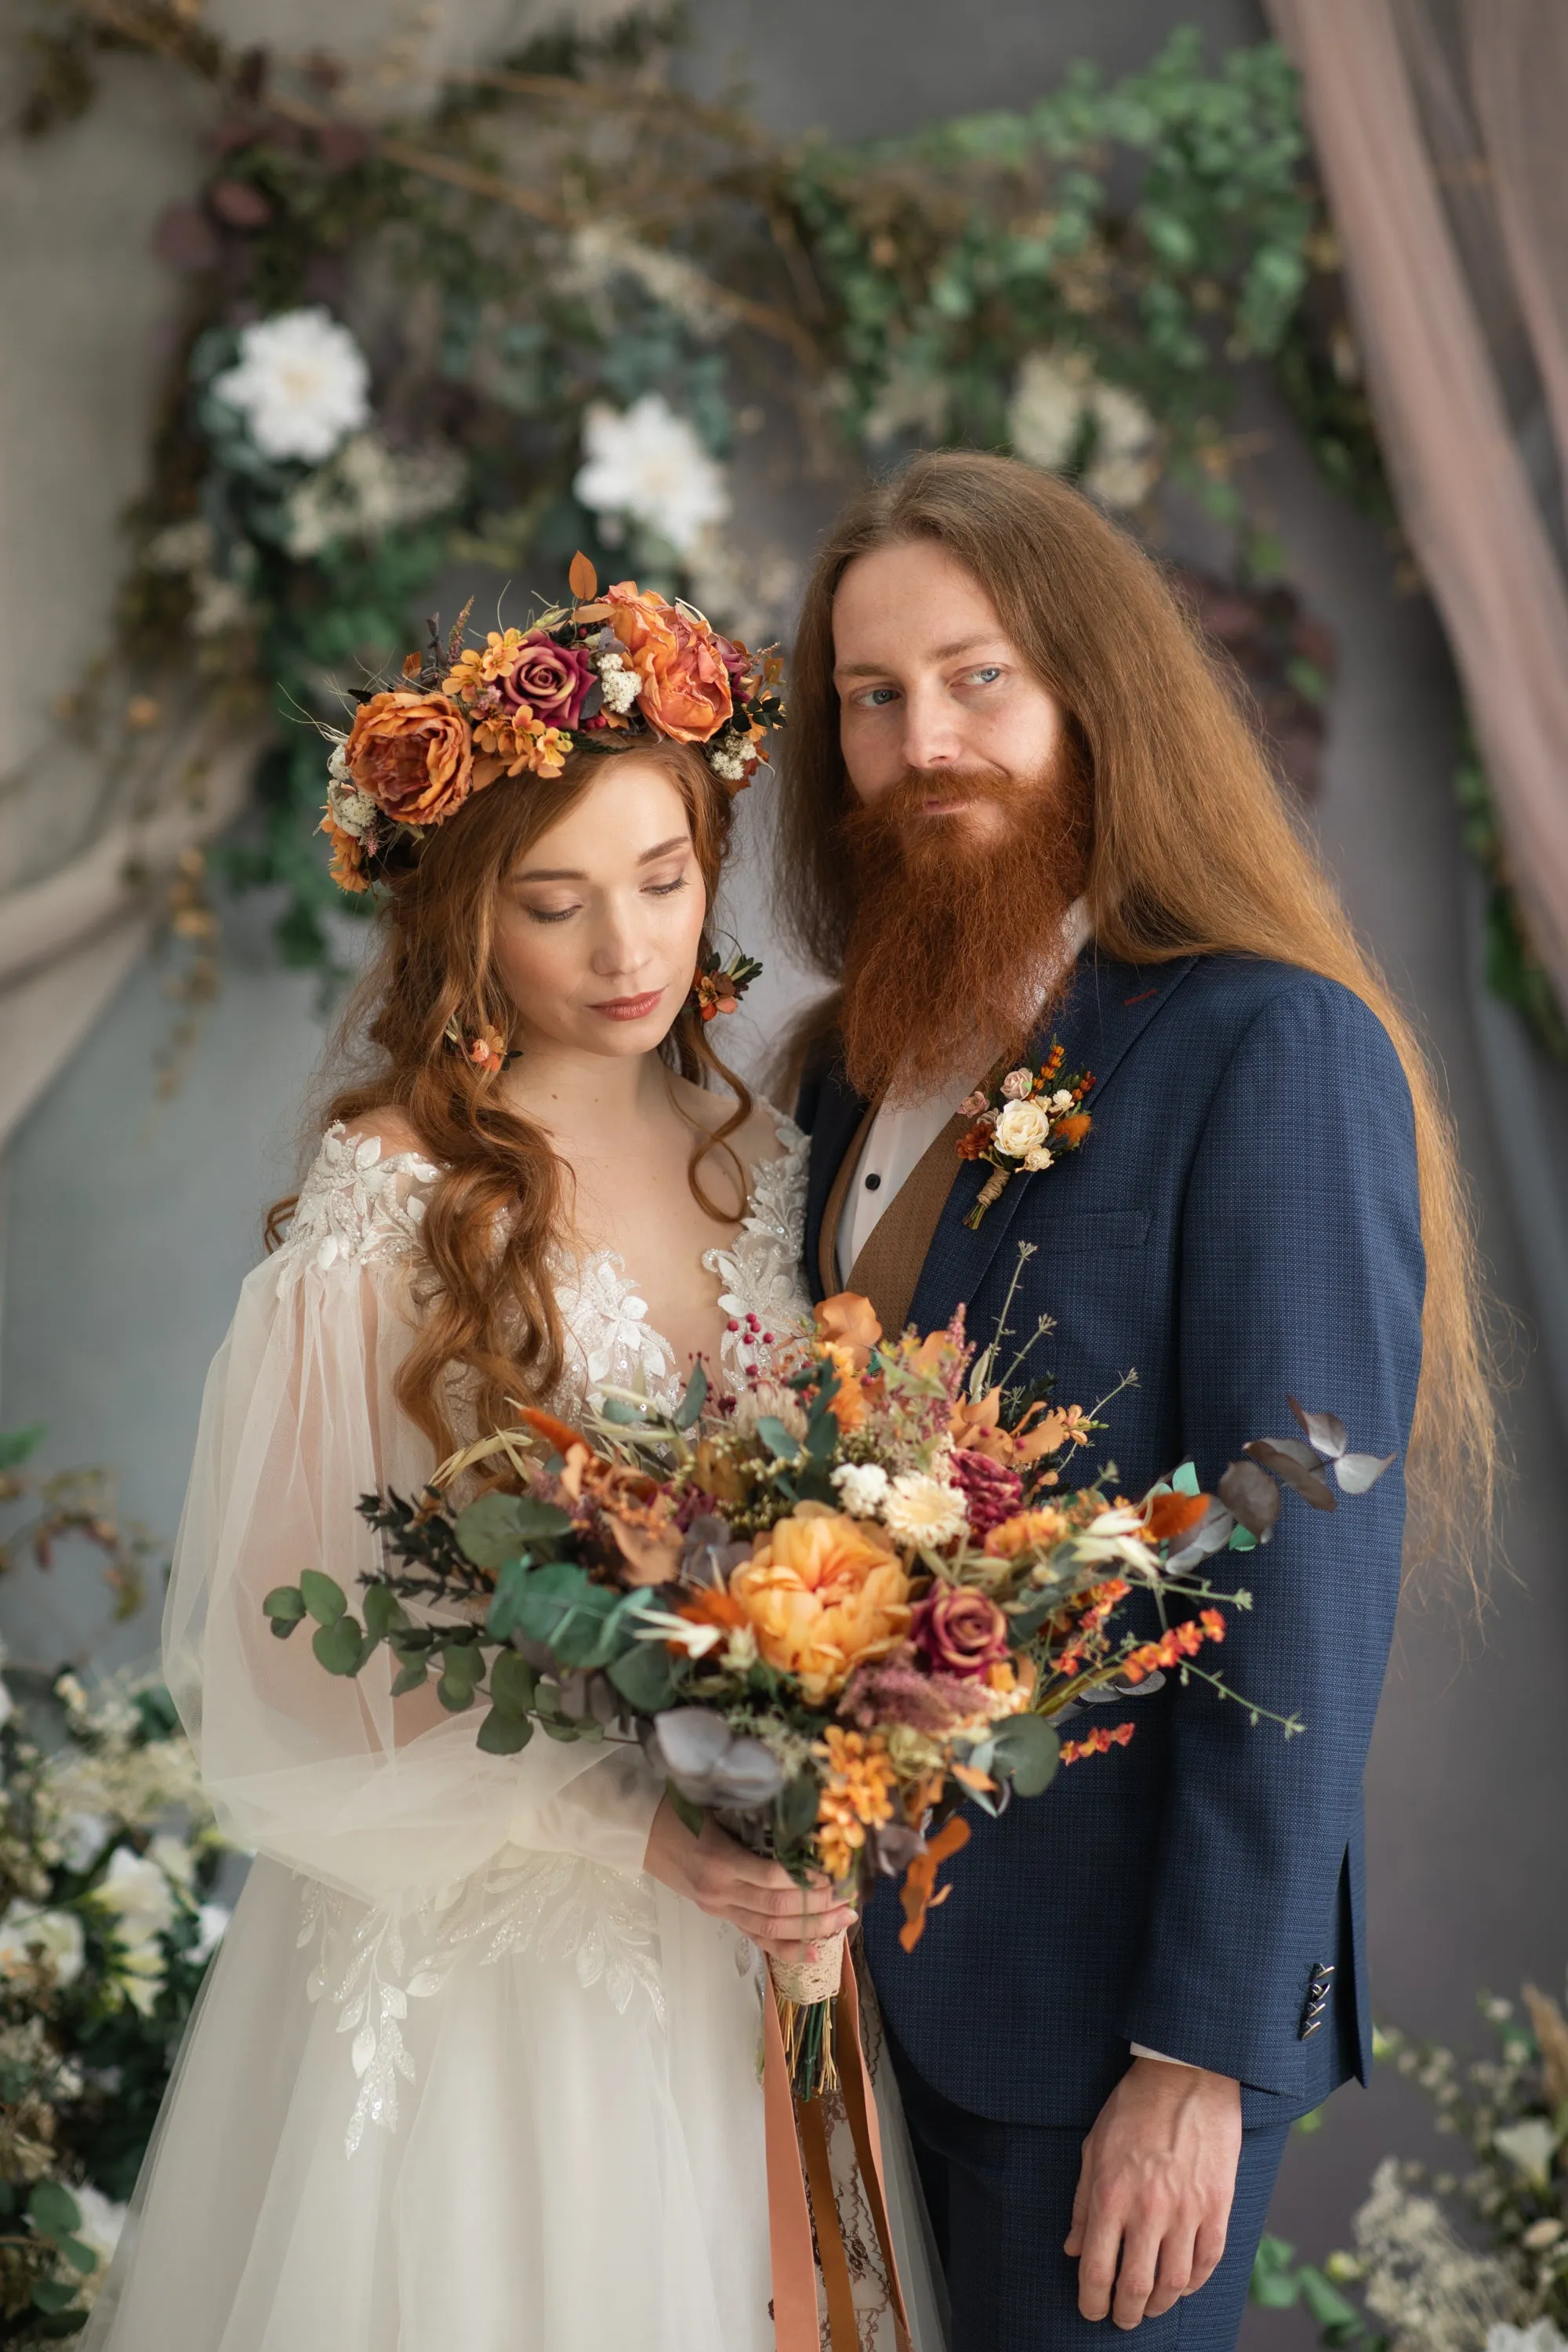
[(796, 2140), (806, 1990)]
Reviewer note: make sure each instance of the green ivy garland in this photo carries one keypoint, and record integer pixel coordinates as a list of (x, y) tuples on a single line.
[(567, 232)]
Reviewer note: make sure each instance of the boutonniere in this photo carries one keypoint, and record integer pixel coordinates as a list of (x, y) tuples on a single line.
[(718, 987), (1022, 1124)]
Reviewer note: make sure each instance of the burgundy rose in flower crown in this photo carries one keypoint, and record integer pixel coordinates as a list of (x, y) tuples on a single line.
[(586, 676)]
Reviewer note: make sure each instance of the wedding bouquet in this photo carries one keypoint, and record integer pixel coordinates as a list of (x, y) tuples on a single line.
[(833, 1607)]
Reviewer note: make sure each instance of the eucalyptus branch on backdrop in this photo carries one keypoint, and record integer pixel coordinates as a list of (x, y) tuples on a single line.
[(539, 316)]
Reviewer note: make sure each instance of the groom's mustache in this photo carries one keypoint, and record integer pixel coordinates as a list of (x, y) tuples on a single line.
[(925, 809)]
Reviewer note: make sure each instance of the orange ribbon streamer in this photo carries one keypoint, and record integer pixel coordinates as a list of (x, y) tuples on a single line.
[(796, 2324)]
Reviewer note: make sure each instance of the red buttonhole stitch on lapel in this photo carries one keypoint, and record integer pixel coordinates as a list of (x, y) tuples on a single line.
[(1148, 992)]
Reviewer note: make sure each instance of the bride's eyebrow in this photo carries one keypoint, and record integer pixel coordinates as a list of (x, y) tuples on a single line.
[(575, 874)]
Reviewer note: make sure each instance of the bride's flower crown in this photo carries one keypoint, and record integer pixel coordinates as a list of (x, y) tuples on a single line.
[(584, 677)]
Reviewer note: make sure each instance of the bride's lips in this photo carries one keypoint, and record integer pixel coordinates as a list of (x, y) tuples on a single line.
[(629, 1008)]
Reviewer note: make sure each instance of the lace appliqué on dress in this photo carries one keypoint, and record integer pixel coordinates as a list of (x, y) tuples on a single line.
[(354, 1204), (553, 1906), (760, 1268), (609, 1342)]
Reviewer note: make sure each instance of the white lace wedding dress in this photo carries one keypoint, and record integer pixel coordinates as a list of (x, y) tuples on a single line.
[(462, 2079)]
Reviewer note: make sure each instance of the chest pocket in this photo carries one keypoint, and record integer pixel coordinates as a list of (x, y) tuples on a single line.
[(1096, 1229)]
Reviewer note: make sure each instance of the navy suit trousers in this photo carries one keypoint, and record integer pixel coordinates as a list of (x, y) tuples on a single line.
[(1000, 2197)]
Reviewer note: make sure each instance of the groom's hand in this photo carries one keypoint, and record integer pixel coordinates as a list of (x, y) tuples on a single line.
[(1154, 2193)]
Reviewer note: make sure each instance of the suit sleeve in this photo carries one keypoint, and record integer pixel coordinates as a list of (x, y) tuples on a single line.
[(1301, 1275)]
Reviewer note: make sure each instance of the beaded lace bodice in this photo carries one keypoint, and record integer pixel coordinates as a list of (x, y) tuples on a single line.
[(358, 1204)]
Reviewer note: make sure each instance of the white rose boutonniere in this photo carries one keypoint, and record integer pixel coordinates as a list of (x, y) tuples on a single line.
[(1022, 1124)]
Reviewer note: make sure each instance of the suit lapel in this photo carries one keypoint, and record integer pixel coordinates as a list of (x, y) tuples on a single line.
[(839, 1116), (1110, 1004)]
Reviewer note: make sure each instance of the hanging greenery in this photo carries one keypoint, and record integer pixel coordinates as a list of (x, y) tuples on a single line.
[(542, 313)]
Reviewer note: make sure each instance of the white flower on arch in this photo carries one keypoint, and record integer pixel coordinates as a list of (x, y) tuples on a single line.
[(302, 383), (646, 464)]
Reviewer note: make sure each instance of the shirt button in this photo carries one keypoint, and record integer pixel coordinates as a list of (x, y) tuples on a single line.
[(872, 1183)]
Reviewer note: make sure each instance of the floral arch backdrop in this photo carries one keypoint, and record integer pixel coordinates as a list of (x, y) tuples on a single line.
[(556, 309)]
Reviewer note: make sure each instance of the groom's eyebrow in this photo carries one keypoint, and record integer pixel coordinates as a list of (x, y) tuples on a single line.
[(575, 873), (938, 653)]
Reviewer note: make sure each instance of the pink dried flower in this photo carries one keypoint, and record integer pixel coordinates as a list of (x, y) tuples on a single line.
[(896, 1690), (1016, 1085), (973, 1105), (992, 1490), (962, 1632)]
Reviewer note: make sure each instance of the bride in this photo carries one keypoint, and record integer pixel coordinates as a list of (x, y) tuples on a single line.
[(476, 2066)]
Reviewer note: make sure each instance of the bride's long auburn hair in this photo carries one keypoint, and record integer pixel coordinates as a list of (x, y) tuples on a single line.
[(1195, 852), (485, 1299)]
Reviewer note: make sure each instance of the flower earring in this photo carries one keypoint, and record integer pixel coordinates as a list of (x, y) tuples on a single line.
[(718, 987), (486, 1051)]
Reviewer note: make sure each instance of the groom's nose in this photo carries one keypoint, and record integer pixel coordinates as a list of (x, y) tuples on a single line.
[(932, 729)]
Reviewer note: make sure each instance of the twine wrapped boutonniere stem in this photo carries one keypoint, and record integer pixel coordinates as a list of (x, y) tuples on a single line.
[(1022, 1124)]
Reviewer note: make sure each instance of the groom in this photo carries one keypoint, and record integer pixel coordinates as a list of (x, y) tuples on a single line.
[(1020, 808)]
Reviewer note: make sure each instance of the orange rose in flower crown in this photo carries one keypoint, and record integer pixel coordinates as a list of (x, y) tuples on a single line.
[(822, 1592), (685, 691), (588, 675)]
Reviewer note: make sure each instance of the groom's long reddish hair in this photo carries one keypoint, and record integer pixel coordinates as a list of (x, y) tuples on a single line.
[(1194, 850)]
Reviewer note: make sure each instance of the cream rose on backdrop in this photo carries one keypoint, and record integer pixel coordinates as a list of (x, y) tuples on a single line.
[(1022, 1128), (302, 383)]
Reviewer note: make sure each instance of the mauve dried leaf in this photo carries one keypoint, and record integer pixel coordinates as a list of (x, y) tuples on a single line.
[(1308, 1482), (1359, 1473), (1252, 1495), (1326, 1431)]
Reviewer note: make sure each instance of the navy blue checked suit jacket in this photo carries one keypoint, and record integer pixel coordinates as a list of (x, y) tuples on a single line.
[(1242, 1224)]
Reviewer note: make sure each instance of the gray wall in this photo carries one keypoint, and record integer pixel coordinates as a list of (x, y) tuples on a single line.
[(129, 1225)]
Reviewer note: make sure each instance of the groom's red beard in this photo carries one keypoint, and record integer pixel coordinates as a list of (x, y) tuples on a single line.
[(953, 926)]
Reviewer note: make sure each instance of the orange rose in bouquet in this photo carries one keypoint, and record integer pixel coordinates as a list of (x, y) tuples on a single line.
[(685, 691), (413, 755), (822, 1592)]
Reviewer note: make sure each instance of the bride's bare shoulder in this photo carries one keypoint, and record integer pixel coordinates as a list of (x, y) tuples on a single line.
[(387, 1126)]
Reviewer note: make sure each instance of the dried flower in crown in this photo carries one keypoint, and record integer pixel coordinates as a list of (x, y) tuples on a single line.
[(586, 676)]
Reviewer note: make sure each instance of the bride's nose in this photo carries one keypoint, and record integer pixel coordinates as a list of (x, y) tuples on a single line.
[(619, 950)]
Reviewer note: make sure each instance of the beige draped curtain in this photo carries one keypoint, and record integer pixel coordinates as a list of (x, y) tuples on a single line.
[(1439, 130)]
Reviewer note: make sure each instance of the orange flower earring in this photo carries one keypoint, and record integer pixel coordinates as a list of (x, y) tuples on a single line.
[(719, 988), (487, 1050)]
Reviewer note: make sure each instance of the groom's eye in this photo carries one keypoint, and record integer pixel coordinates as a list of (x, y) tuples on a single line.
[(875, 696), (985, 676)]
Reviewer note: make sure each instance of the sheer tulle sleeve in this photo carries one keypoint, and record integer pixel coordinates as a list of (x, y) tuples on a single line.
[(387, 1799)]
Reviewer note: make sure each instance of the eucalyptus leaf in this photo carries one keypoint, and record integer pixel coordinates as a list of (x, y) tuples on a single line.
[(497, 1527), (1358, 1473), (503, 1733), (323, 1596), (1213, 1531), (796, 1809), (1026, 1751), (53, 2210), (696, 1396), (1252, 1495), (285, 1604), (1185, 1481), (54, 2294), (383, 1612), (339, 1646), (644, 1676), (1307, 1483), (780, 1442), (413, 1677), (1326, 1431), (514, 1686), (15, 1445)]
